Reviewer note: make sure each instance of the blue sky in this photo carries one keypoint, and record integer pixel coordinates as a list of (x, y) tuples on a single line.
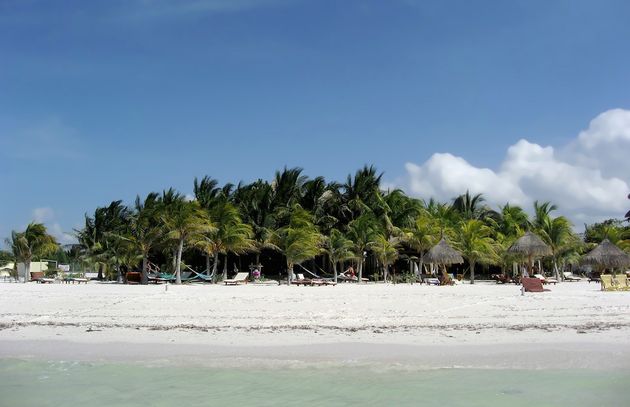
[(103, 100)]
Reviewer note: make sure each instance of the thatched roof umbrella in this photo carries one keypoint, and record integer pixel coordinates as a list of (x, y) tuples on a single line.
[(531, 246), (607, 254), (442, 253)]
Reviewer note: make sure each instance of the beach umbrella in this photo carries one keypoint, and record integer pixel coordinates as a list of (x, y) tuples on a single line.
[(442, 253), (607, 254), (531, 246)]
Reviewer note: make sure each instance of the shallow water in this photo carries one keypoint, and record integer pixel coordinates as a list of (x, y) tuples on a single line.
[(36, 383)]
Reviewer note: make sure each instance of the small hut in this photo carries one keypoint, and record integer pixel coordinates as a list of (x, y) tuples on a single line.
[(531, 246), (443, 254), (607, 255)]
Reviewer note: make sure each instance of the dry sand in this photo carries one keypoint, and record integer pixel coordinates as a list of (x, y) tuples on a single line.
[(483, 325)]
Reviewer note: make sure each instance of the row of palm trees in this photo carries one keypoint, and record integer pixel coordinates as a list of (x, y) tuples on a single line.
[(302, 219)]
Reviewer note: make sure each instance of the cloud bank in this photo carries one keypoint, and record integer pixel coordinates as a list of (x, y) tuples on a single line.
[(46, 215), (589, 178)]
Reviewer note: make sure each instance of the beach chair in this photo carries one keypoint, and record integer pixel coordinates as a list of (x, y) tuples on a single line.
[(238, 279), (533, 285), (300, 280), (621, 282), (133, 277), (430, 280), (607, 283), (546, 280), (501, 278), (568, 276), (40, 277), (594, 276)]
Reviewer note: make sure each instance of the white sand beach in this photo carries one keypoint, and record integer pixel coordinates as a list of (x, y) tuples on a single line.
[(481, 325)]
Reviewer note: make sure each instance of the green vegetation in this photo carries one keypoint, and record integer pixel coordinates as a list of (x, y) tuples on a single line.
[(294, 220)]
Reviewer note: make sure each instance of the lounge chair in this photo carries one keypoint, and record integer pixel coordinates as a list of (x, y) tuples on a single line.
[(430, 280), (568, 276), (354, 279), (546, 280), (238, 279), (533, 285), (607, 282), (594, 276), (621, 281), (502, 278), (133, 277), (40, 277)]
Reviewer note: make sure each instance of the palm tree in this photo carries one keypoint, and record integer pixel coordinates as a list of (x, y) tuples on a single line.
[(386, 251), (362, 231), (299, 240), (475, 243), (362, 194), (513, 221), (33, 242), (255, 204), (558, 234), (339, 249), (422, 236), (184, 222), (98, 231), (145, 230), (230, 235), (542, 211)]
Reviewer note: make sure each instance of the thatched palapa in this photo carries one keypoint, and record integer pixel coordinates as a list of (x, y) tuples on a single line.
[(530, 245), (607, 254), (443, 253)]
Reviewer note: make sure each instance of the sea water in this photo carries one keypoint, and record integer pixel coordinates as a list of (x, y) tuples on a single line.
[(37, 383)]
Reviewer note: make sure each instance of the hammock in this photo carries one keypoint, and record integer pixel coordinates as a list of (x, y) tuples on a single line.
[(310, 272), (200, 276)]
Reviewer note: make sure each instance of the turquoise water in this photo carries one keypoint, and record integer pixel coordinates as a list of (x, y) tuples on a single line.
[(35, 383)]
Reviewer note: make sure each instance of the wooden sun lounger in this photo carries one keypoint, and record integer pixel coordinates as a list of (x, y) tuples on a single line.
[(607, 283), (40, 277), (568, 276), (621, 281), (533, 285), (546, 280), (238, 279)]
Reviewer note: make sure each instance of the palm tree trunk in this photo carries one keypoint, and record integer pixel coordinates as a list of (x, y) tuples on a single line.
[(556, 272), (208, 264), (178, 263), (360, 271), (472, 272), (289, 272), (27, 270), (118, 275), (144, 276), (225, 267), (334, 264), (215, 266)]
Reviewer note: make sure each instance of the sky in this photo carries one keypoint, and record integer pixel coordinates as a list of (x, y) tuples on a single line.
[(107, 99)]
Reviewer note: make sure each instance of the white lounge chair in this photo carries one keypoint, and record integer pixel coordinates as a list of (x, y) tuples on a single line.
[(568, 276), (546, 280), (238, 279)]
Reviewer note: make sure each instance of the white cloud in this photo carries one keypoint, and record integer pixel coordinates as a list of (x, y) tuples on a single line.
[(46, 215), (49, 139), (145, 9), (588, 179)]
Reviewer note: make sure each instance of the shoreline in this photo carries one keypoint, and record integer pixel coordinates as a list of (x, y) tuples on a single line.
[(573, 326), (384, 356)]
